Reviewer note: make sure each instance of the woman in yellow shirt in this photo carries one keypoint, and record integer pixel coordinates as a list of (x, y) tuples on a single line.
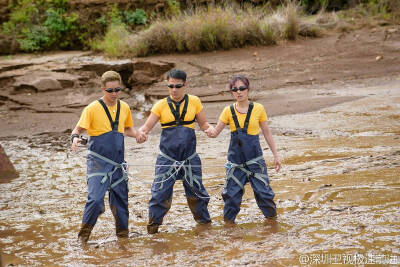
[(245, 157)]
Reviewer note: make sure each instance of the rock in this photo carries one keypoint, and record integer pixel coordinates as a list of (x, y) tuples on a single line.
[(7, 170), (143, 77), (146, 73), (123, 67), (46, 84), (42, 81), (378, 58)]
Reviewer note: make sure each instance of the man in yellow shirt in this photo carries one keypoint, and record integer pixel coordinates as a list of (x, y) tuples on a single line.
[(177, 114), (106, 121)]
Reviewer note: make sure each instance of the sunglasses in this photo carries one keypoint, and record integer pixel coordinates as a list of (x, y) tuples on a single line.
[(241, 88), (177, 86), (110, 90)]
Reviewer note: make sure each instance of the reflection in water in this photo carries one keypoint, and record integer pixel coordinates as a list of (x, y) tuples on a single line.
[(338, 194)]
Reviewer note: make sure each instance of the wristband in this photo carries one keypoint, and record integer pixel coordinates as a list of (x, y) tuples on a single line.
[(73, 136)]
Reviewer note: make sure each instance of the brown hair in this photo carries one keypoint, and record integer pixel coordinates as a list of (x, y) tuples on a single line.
[(110, 76)]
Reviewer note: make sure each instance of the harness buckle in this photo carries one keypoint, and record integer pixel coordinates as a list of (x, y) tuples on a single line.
[(124, 167)]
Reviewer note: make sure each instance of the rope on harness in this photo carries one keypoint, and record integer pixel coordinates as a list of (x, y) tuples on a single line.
[(108, 175), (231, 167), (176, 166)]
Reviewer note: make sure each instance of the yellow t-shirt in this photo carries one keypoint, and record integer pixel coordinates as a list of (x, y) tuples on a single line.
[(162, 110), (258, 115), (94, 118)]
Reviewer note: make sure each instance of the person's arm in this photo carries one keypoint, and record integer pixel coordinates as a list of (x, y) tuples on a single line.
[(149, 124), (76, 140), (215, 131), (131, 132), (268, 137), (202, 121)]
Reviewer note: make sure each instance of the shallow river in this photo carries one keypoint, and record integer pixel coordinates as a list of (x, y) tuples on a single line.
[(338, 198)]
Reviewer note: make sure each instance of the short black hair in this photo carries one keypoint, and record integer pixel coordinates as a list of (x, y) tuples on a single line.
[(176, 74)]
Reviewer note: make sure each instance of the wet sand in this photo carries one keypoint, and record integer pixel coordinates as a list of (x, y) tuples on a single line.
[(338, 194)]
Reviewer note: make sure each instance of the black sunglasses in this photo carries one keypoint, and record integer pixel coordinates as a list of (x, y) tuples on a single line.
[(177, 86), (241, 88), (110, 90)]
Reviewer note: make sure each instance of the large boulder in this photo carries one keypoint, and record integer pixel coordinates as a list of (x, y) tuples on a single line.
[(7, 170), (42, 81), (100, 65), (145, 73)]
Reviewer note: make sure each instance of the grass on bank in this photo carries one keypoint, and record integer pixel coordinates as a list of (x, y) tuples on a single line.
[(229, 27), (212, 29)]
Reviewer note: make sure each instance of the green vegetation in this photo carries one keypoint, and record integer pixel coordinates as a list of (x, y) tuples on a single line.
[(37, 25), (135, 17), (220, 28)]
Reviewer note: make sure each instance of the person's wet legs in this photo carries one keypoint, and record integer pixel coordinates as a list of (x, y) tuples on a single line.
[(264, 196), (118, 198), (232, 196), (160, 203), (198, 199), (94, 206)]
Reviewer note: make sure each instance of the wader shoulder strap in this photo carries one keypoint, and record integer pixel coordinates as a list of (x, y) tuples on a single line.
[(234, 117), (246, 121), (179, 119), (114, 124)]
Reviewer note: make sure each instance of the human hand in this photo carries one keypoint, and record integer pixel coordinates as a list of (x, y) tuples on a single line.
[(210, 132), (141, 137), (76, 141), (277, 164)]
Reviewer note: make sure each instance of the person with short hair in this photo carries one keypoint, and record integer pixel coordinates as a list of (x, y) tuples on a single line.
[(245, 156), (106, 121), (178, 159)]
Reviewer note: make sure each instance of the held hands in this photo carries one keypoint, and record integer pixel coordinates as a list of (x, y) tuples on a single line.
[(141, 137), (210, 132)]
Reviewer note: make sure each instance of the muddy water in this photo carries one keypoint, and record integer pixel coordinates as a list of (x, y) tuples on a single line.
[(338, 196)]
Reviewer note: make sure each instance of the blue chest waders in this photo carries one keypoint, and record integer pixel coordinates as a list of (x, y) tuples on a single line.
[(178, 150), (106, 172), (246, 163)]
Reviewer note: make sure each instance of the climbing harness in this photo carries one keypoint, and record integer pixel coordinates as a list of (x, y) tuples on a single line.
[(231, 167), (175, 167), (108, 175)]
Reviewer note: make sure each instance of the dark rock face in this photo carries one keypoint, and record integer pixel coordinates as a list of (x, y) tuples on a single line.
[(7, 170), (146, 73)]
